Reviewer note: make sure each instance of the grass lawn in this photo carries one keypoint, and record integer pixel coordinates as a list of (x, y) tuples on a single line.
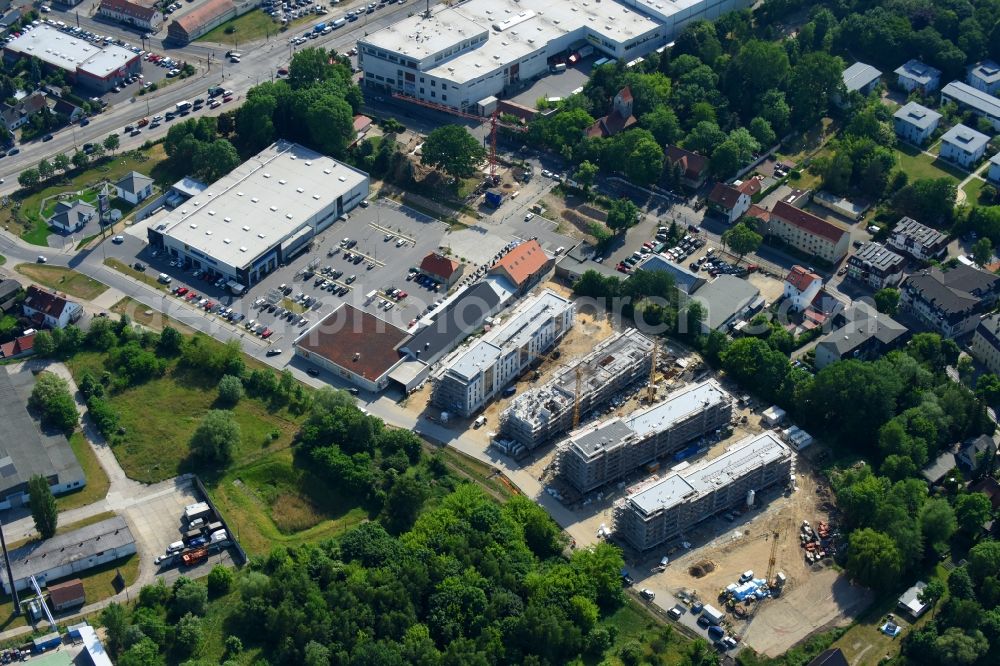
[(289, 304), (3, 260), (972, 190), (252, 26), (30, 224), (134, 274), (634, 623), (156, 446), (149, 317), (97, 479), (63, 279), (920, 165)]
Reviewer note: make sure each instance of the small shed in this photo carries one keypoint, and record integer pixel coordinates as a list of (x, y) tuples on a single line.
[(67, 595), (798, 438), (773, 415), (909, 601)]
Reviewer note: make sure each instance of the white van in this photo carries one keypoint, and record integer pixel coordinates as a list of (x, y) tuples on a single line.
[(479, 422)]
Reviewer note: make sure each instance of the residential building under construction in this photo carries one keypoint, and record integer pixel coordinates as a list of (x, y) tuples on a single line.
[(665, 508), (612, 449), (474, 374), (540, 415)]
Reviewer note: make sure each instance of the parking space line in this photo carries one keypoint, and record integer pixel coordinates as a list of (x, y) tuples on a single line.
[(387, 230)]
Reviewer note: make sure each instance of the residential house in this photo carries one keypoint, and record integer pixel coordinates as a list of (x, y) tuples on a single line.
[(876, 265), (66, 108), (866, 334), (50, 310), (910, 602), (17, 115), (22, 345), (915, 75), (141, 13), (937, 470), (918, 240), (993, 174), (808, 233), (618, 120), (70, 216), (985, 346), (441, 269), (860, 78), (985, 76), (989, 487), (524, 266), (694, 167), (963, 146), (915, 123), (981, 103), (134, 187), (801, 287), (975, 452), (10, 289), (729, 201), (950, 301)]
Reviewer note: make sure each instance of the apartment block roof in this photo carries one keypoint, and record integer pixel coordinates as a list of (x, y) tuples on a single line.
[(676, 406), (876, 257), (863, 324), (920, 234), (973, 97), (67, 52), (859, 75), (808, 222), (965, 138), (918, 72), (917, 115), (953, 290), (128, 8)]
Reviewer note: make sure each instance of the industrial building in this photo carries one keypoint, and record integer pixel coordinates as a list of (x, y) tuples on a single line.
[(25, 451), (262, 214), (691, 493), (203, 18), (473, 375), (539, 415), (614, 448), (96, 68), (466, 55), (70, 553)]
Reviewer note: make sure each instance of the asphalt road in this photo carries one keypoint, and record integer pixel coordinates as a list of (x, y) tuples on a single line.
[(260, 62)]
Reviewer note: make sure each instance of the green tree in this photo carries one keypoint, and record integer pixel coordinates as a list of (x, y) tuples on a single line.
[(932, 201), (189, 597), (406, 499), (741, 239), (51, 397), (761, 130), (932, 592), (725, 159), (80, 160), (188, 635), (111, 143), (114, 618), (331, 124), (937, 521), (814, 79), (170, 342), (45, 169), (622, 214), (61, 162), (220, 579), (585, 174), (28, 178), (662, 122), (213, 160), (43, 506), (873, 559), (215, 437), (887, 300), (143, 653), (453, 149), (982, 251), (972, 510), (230, 390)]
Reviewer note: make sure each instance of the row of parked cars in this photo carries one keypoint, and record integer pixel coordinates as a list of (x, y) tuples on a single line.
[(202, 534), (284, 313)]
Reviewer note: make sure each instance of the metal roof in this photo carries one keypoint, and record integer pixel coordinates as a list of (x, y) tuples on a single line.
[(918, 72), (859, 75), (917, 115), (965, 94), (965, 138), (39, 557)]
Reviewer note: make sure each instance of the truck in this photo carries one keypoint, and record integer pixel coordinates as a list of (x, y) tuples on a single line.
[(195, 511), (218, 537), (712, 614), (319, 27), (193, 557), (216, 91), (494, 198), (183, 105)]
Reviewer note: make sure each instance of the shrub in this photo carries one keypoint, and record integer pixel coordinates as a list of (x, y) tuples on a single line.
[(230, 390)]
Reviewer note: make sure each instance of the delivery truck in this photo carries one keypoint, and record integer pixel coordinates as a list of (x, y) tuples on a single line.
[(712, 614)]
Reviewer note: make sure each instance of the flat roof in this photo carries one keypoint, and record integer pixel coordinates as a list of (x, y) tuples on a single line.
[(987, 70), (261, 203), (39, 557), (676, 406), (603, 435), (692, 482), (513, 29), (965, 138), (918, 71), (878, 256), (965, 94), (917, 115), (355, 340), (24, 449), (725, 296), (65, 51), (461, 314)]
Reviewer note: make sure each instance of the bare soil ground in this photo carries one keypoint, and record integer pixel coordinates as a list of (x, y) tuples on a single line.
[(573, 212)]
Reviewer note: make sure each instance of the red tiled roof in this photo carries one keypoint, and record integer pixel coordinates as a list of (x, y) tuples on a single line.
[(17, 346), (724, 195), (356, 341), (750, 186), (758, 212), (362, 123), (807, 222), (694, 165), (193, 20), (626, 94), (132, 9), (439, 266), (67, 593), (611, 124), (523, 262), (800, 278), (45, 302)]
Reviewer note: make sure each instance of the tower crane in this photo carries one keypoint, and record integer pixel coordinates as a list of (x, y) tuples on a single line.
[(651, 386), (493, 120)]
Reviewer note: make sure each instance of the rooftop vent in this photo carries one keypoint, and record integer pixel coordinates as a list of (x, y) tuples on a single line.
[(194, 226), (308, 163), (211, 212), (282, 182), (267, 175), (288, 215), (243, 248), (254, 199), (327, 171), (299, 190), (274, 209), (208, 232), (341, 179), (246, 228), (239, 194), (228, 219), (316, 197), (226, 241), (260, 235)]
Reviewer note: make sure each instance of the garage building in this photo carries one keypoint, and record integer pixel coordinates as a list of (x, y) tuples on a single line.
[(70, 553), (93, 67), (262, 214)]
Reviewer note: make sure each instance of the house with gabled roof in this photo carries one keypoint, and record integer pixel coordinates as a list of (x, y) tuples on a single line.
[(70, 216), (808, 233), (618, 120), (524, 266), (801, 287), (48, 309), (441, 269), (134, 187), (14, 116), (694, 167), (728, 201)]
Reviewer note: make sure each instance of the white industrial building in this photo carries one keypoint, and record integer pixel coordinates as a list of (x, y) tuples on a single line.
[(466, 55), (539, 415), (612, 449), (474, 374), (691, 493), (260, 215), (70, 553)]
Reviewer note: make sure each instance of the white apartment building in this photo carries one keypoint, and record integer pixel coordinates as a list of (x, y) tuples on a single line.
[(474, 374), (465, 55)]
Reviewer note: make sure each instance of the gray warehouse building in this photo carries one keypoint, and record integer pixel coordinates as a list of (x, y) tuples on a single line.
[(25, 451), (260, 215), (538, 416), (690, 494), (610, 450), (71, 553)]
